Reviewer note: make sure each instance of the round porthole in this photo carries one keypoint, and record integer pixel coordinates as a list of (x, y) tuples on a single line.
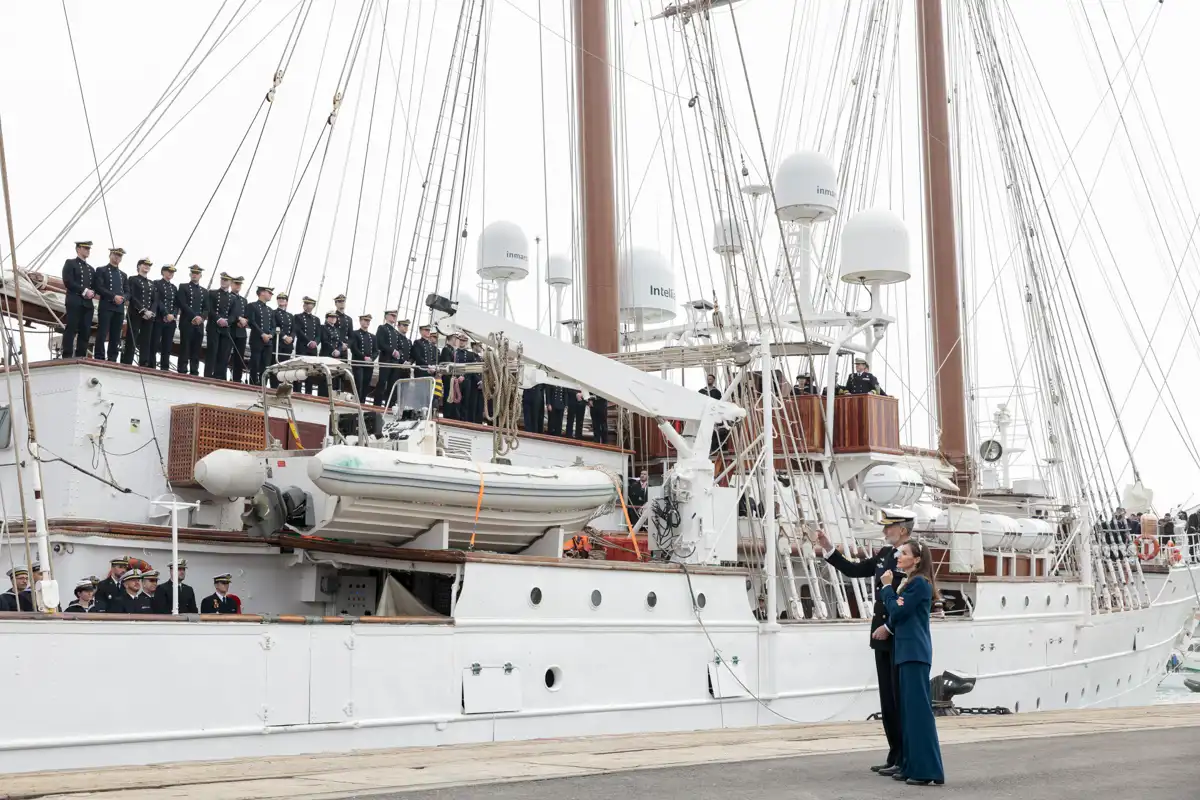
[(535, 596), (1027, 601), (1047, 601), (651, 600), (1003, 601), (554, 678), (701, 600), (596, 598)]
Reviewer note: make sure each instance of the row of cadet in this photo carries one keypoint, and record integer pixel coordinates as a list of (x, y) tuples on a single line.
[(125, 590)]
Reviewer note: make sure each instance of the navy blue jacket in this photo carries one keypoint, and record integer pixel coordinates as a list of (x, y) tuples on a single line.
[(909, 623), (874, 567)]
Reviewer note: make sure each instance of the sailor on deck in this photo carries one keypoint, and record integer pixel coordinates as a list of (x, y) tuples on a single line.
[(363, 348), (166, 294), (78, 276), (219, 602), (165, 596), (139, 333), (393, 349), (284, 343), (18, 597), (130, 600), (240, 325), (218, 338), (112, 286), (262, 333), (150, 590), (333, 345), (897, 527), (84, 603), (110, 587), (308, 336), (193, 310), (861, 381)]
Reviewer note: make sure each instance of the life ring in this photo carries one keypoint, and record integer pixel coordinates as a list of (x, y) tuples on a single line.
[(1148, 547)]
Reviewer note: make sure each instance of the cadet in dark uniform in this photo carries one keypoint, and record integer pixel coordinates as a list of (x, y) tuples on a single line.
[(166, 318), (446, 356), (164, 598), (110, 587), (424, 353), (532, 403), (363, 349), (150, 590), (240, 325), (897, 527), (18, 597), (84, 603), (332, 346), (575, 408), (556, 404), (308, 336), (343, 319), (130, 600), (219, 602), (804, 385), (139, 332), (863, 382), (262, 334), (284, 343), (112, 286), (599, 411), (78, 276), (473, 391), (218, 336), (192, 303), (393, 349)]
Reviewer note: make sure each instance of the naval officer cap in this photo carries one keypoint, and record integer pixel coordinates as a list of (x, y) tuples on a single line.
[(267, 289), (897, 516), (281, 296), (123, 561), (223, 578), (861, 360), (182, 563), (118, 250), (168, 268), (330, 313), (238, 281), (132, 575), (308, 300), (145, 261), (225, 276), (18, 570), (87, 244), (196, 269), (366, 317), (85, 585), (340, 298), (150, 575)]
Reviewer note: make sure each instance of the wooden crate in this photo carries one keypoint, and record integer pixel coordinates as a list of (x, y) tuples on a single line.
[(198, 429), (866, 423)]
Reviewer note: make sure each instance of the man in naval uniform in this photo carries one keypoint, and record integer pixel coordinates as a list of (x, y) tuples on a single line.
[(192, 303), (284, 343), (576, 405), (345, 323), (84, 603), (240, 325), (473, 385), (78, 276), (219, 602), (18, 597), (332, 346), (164, 598), (110, 587), (363, 349), (861, 381), (424, 353), (599, 414), (166, 318), (556, 404), (897, 528), (113, 287), (139, 331), (389, 340), (130, 599), (262, 334), (218, 337), (150, 590), (308, 337)]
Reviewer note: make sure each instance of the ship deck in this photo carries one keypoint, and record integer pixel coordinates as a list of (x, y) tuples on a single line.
[(1122, 753)]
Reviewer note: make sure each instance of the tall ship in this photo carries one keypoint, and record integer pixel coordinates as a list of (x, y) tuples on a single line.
[(406, 578)]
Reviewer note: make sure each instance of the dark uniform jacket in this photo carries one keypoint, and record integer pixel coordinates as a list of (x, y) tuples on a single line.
[(124, 604), (218, 304), (308, 329), (106, 590), (863, 383), (215, 604), (391, 340), (165, 595), (237, 308), (424, 353), (332, 339), (363, 346), (192, 301), (109, 282), (285, 321), (556, 396), (166, 299), (345, 325), (11, 601), (873, 567), (141, 297), (262, 320), (712, 392), (78, 275), (77, 608)]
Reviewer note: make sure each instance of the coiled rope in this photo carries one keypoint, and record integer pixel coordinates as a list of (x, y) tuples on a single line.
[(502, 394)]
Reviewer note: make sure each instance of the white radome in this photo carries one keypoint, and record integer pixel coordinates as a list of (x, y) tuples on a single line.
[(503, 252), (558, 270), (647, 287), (875, 248), (806, 188), (727, 239)]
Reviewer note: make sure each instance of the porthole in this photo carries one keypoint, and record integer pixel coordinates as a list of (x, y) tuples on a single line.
[(554, 678), (1003, 601), (1027, 601), (535, 596), (701, 600), (596, 598), (651, 600), (1047, 601)]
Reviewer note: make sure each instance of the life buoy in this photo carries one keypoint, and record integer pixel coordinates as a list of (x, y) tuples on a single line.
[(1147, 547)]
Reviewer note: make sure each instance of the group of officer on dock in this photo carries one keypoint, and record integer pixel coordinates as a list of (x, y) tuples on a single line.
[(125, 590)]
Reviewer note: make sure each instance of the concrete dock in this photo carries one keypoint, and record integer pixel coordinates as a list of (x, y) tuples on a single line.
[(1118, 753)]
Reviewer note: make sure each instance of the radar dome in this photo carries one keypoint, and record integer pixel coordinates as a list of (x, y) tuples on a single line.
[(503, 252), (558, 270), (806, 188), (727, 240), (875, 248), (647, 287)]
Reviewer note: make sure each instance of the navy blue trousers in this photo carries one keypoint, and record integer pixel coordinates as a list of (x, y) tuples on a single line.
[(922, 752)]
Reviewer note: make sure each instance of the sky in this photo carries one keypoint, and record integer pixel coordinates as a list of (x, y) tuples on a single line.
[(1104, 91)]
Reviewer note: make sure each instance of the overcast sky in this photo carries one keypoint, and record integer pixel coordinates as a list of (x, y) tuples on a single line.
[(1138, 167)]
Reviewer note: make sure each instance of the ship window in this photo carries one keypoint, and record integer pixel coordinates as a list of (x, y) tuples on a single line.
[(1003, 601), (596, 598), (651, 600), (1027, 601), (535, 596), (701, 600), (554, 678), (5, 427)]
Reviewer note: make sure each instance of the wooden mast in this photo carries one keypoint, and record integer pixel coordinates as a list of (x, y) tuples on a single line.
[(598, 203), (941, 242)]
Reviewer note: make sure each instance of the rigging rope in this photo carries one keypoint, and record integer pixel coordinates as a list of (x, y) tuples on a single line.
[(502, 393)]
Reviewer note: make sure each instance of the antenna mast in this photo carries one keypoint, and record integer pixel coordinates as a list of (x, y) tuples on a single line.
[(592, 106), (941, 243)]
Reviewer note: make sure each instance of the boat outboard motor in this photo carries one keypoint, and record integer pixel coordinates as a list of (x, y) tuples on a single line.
[(944, 688), (274, 507)]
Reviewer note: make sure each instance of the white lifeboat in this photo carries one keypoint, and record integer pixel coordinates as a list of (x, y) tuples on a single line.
[(1036, 534), (999, 532)]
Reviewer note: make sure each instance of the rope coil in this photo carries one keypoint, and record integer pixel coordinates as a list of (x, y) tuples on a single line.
[(501, 392)]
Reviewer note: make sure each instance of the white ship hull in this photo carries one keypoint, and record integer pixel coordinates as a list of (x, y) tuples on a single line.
[(232, 689)]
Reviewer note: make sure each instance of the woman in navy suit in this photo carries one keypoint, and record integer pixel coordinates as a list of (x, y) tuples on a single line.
[(912, 651)]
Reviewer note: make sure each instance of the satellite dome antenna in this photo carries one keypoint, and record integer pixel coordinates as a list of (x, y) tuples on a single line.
[(503, 257), (647, 288), (559, 275), (875, 251), (806, 192)]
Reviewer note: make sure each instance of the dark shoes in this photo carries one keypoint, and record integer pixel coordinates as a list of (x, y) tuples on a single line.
[(888, 772), (899, 776), (915, 782), (881, 767)]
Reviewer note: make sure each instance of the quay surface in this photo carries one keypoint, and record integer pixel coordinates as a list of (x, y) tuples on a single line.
[(1112, 753)]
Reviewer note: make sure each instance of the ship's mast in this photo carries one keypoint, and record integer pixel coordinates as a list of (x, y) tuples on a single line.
[(941, 242), (598, 201)]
